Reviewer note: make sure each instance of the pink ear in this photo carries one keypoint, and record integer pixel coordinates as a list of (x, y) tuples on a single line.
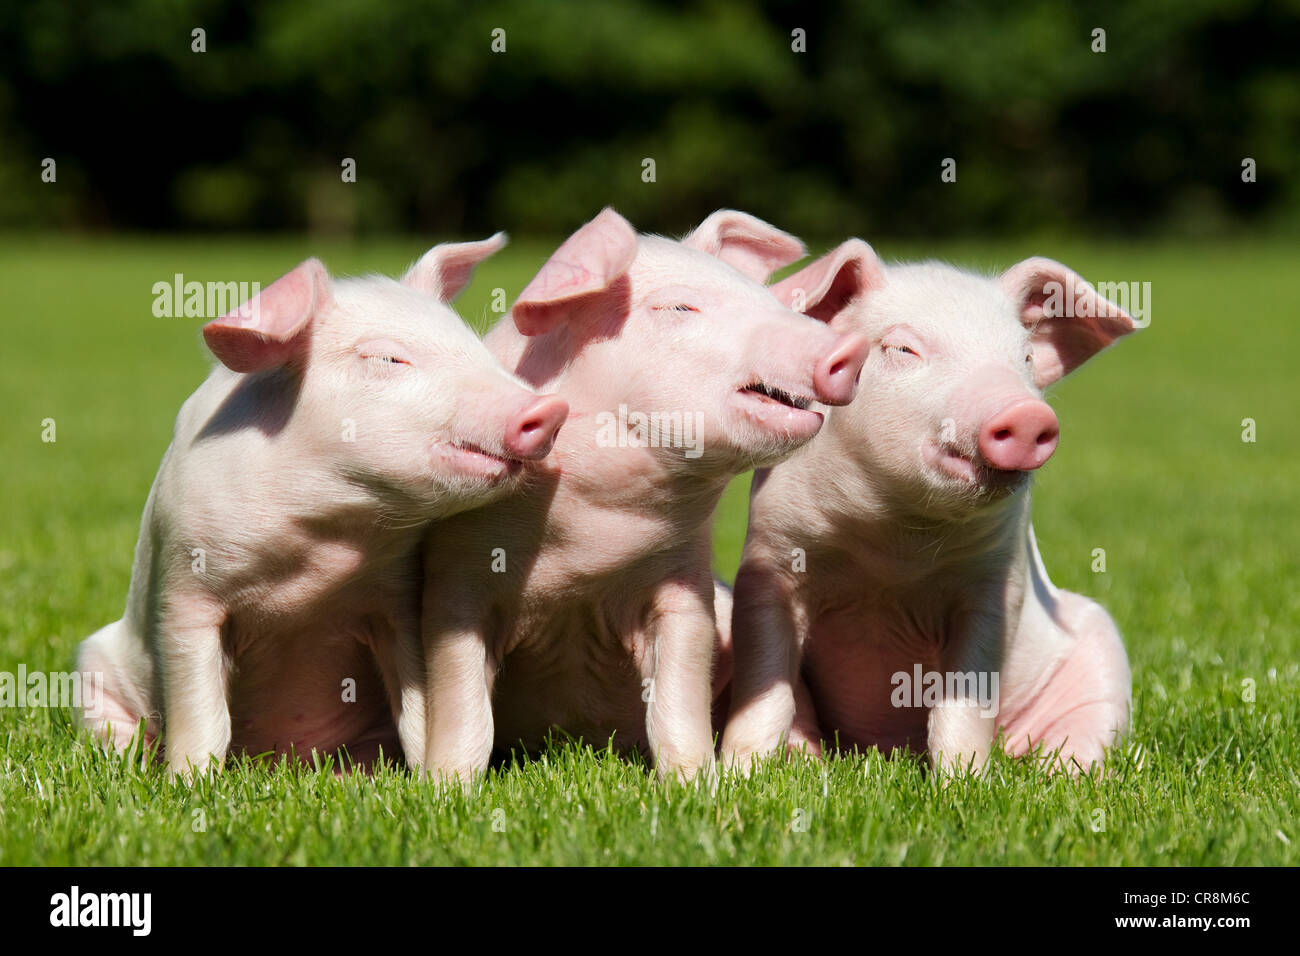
[(840, 277), (444, 270), (266, 330), (1070, 321), (588, 262), (747, 244)]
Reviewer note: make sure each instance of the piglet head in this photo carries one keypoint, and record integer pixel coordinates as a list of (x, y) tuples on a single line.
[(679, 348), (388, 385), (952, 418)]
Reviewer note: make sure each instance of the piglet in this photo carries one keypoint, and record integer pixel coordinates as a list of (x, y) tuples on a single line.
[(891, 593), (274, 599), (586, 603)]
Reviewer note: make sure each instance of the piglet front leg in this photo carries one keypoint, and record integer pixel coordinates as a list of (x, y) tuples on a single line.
[(764, 696), (401, 665), (679, 665), (196, 672), (805, 735), (459, 673), (961, 727)]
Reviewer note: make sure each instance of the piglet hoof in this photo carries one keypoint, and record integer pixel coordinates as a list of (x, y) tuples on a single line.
[(738, 762), (1074, 764), (797, 745), (450, 781), (701, 774), (949, 769), (747, 764), (189, 772), (744, 761)]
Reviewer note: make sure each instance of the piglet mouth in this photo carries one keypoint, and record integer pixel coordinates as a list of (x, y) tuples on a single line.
[(970, 469), (777, 413), (474, 461), (779, 396)]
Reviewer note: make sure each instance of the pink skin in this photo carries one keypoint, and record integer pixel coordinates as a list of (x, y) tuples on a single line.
[(1015, 430), (529, 435), (911, 511), (274, 601), (587, 603), (1021, 437), (835, 379)]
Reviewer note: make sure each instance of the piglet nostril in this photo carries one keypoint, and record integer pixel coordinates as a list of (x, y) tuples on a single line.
[(835, 378), (533, 432), (1021, 437)]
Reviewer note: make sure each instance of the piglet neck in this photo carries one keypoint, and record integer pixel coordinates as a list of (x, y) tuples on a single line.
[(379, 521), (599, 462), (917, 544), (328, 500)]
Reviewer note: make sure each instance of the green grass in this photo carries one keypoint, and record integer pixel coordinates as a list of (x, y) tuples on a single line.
[(1199, 529)]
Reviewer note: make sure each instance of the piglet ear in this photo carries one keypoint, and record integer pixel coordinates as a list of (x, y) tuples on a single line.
[(1069, 320), (587, 264), (445, 270), (828, 286), (746, 243), (267, 330)]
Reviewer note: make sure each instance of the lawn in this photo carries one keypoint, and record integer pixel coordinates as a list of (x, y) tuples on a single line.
[(1201, 533)]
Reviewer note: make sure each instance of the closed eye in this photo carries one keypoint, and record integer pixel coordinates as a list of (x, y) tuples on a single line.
[(386, 359), (680, 307), (906, 349)]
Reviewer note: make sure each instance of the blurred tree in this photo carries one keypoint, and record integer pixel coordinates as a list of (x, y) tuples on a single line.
[(449, 134)]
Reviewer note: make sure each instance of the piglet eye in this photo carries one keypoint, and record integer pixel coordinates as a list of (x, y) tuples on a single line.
[(680, 307), (905, 349), (383, 356)]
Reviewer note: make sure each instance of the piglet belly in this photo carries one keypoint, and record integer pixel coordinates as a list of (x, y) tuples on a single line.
[(316, 688), (593, 699), (858, 701)]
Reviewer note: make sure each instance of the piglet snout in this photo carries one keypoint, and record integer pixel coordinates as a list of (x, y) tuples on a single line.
[(531, 431), (835, 379), (1021, 437)]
